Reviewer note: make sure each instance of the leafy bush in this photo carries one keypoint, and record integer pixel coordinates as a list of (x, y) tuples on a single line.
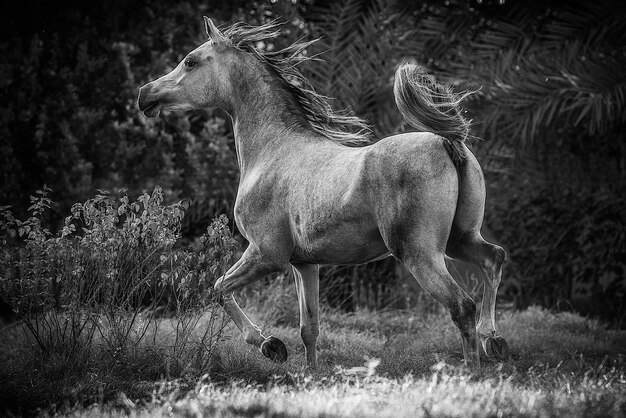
[(94, 296)]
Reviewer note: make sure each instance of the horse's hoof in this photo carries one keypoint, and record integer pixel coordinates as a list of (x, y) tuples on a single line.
[(274, 349), (496, 348)]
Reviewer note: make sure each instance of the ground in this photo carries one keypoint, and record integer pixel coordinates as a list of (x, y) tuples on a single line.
[(396, 364)]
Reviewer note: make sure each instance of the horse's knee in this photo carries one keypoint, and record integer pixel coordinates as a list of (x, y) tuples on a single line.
[(253, 337)]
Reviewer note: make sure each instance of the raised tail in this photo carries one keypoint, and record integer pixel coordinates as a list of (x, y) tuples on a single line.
[(432, 107)]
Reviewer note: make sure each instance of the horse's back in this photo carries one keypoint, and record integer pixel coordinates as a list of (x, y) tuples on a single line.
[(418, 150)]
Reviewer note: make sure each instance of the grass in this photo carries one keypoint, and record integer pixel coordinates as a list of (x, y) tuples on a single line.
[(373, 364), (87, 346)]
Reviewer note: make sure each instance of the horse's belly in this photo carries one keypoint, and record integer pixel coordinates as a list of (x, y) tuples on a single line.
[(343, 245)]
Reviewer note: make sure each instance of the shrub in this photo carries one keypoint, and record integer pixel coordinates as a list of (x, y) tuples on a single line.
[(94, 295), (567, 250)]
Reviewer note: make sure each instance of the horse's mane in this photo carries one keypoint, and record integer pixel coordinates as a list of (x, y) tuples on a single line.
[(341, 127)]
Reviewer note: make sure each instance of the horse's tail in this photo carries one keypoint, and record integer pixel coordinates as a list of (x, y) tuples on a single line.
[(433, 107)]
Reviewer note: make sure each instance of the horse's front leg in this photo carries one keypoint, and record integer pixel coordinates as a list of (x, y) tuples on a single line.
[(307, 286), (250, 268)]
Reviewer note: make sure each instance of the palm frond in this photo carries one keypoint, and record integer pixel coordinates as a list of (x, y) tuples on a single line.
[(358, 57), (531, 95)]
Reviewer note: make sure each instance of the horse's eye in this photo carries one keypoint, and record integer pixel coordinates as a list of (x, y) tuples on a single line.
[(189, 63)]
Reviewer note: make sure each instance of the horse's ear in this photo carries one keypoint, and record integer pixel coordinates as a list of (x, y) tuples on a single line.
[(212, 31)]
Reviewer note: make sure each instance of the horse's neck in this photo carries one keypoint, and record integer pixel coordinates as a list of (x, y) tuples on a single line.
[(263, 125)]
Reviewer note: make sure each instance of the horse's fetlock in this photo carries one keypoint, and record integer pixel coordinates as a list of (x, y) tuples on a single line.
[(250, 338)]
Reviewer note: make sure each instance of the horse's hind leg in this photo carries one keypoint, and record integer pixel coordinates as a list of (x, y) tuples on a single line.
[(431, 273), (471, 247), (306, 277)]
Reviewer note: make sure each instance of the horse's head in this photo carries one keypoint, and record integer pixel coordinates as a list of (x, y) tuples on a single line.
[(199, 81)]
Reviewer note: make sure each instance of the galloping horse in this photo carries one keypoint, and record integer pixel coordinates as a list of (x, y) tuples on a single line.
[(306, 197)]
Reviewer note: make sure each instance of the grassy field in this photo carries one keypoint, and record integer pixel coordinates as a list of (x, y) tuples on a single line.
[(372, 364), (86, 345)]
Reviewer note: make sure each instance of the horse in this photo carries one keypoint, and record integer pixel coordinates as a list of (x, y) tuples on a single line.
[(315, 189)]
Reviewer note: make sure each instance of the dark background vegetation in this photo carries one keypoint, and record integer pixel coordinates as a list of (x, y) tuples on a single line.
[(550, 108)]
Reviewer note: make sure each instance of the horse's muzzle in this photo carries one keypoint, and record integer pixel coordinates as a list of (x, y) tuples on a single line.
[(147, 101)]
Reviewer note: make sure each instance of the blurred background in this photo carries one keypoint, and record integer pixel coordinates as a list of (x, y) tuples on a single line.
[(549, 107)]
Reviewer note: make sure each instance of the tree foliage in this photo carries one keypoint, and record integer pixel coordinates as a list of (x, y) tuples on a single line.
[(549, 103), (69, 119)]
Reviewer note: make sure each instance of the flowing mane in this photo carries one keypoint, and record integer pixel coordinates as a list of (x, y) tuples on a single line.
[(342, 127)]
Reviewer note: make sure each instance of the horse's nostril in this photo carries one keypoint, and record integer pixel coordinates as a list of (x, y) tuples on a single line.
[(144, 99), (152, 110)]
